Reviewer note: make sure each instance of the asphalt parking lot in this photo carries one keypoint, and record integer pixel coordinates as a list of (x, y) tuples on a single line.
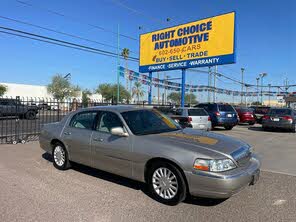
[(31, 189)]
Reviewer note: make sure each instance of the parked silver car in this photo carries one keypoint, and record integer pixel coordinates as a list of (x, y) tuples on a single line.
[(198, 118), (147, 146)]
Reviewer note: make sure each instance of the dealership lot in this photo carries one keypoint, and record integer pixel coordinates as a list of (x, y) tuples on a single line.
[(31, 189)]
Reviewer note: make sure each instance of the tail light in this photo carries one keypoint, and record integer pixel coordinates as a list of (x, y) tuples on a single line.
[(209, 118), (189, 119), (289, 118), (217, 114), (266, 117)]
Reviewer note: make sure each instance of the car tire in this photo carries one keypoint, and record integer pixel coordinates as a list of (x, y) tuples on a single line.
[(228, 127), (293, 130), (60, 157), (173, 189), (252, 123), (30, 115)]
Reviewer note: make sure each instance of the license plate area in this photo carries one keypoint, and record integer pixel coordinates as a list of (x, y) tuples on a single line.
[(276, 119), (229, 115)]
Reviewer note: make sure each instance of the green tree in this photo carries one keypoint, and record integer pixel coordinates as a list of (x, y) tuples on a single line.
[(138, 91), (125, 54), (85, 97), (109, 92), (61, 88), (175, 97), (3, 90)]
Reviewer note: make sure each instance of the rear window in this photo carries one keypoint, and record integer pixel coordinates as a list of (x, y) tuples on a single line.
[(280, 112), (226, 108), (197, 112), (246, 109)]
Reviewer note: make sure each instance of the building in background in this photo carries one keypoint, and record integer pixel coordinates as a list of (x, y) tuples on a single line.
[(36, 92)]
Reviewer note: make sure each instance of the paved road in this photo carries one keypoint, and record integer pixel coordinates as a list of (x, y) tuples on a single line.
[(31, 189)]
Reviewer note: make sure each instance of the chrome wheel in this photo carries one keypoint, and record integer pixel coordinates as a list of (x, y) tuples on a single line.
[(59, 156), (165, 183)]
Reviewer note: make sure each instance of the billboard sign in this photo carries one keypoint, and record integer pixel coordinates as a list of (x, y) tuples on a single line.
[(205, 42)]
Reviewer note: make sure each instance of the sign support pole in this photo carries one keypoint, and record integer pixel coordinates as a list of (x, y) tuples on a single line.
[(183, 88), (118, 64), (150, 89)]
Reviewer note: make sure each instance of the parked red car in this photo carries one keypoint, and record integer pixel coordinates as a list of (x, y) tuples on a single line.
[(246, 115)]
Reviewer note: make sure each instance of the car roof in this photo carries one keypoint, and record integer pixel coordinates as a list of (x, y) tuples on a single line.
[(117, 108)]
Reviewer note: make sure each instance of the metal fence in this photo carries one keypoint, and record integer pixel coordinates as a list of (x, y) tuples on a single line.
[(22, 118)]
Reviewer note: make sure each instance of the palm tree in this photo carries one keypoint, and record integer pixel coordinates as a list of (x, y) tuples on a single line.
[(138, 91), (125, 54)]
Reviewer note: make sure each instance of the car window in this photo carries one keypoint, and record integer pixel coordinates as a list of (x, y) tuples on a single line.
[(143, 122), (84, 120), (197, 112), (107, 121), (280, 112), (225, 108), (212, 107)]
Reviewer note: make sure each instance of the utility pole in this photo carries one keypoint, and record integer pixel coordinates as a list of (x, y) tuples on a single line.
[(242, 91), (246, 99), (257, 79), (118, 64)]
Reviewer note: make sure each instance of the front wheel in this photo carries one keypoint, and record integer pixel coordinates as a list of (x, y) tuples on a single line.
[(166, 183), (60, 157)]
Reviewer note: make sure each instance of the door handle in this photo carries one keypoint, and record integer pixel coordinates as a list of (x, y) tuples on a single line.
[(98, 139), (67, 133)]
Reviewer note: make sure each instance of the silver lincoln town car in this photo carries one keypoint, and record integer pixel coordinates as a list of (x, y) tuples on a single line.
[(145, 145)]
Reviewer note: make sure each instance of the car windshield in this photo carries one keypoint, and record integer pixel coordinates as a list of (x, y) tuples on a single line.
[(226, 108), (280, 112), (245, 110), (197, 112), (143, 122)]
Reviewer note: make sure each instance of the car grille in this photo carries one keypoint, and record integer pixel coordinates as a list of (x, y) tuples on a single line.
[(242, 156)]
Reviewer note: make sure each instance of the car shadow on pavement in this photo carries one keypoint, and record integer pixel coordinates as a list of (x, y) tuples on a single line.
[(260, 129), (131, 183)]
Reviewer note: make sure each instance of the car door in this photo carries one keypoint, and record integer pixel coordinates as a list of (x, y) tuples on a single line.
[(77, 136), (111, 153)]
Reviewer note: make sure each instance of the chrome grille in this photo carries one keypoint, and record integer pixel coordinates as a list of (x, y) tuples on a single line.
[(242, 156)]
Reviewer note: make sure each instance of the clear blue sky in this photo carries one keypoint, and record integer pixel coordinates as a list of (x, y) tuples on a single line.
[(265, 37)]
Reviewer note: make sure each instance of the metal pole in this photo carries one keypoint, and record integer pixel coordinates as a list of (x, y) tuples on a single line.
[(209, 84), (246, 99), (262, 90), (183, 88), (257, 79), (118, 64), (215, 74), (269, 94), (158, 89), (242, 69), (150, 88)]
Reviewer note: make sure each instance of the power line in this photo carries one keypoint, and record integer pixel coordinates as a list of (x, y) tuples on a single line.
[(59, 32), (62, 43), (74, 19)]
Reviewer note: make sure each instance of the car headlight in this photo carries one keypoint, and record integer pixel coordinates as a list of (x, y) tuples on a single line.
[(214, 165)]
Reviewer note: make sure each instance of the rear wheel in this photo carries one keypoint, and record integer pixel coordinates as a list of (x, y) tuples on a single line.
[(293, 130), (166, 183), (60, 157), (30, 115), (252, 123), (228, 127)]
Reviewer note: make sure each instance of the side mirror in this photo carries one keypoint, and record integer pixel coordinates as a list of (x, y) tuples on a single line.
[(118, 131)]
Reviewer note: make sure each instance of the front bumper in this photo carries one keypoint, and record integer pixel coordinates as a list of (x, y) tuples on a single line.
[(224, 184)]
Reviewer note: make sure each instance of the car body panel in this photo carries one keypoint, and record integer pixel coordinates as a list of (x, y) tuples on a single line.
[(279, 121), (246, 115), (128, 155)]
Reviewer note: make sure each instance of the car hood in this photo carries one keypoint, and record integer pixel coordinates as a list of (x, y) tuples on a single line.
[(197, 140)]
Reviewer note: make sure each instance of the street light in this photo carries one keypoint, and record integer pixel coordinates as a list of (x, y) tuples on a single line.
[(257, 79), (242, 69), (262, 75)]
